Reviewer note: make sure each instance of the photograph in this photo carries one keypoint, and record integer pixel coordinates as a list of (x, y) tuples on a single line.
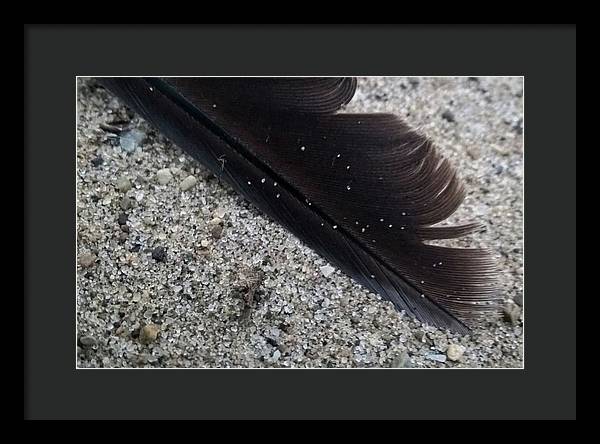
[(286, 222)]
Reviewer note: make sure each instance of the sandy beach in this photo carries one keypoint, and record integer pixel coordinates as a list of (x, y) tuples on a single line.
[(177, 270)]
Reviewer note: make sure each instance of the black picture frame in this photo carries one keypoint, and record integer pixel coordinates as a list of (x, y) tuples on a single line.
[(545, 56)]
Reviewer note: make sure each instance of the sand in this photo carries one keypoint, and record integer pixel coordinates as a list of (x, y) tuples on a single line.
[(199, 278)]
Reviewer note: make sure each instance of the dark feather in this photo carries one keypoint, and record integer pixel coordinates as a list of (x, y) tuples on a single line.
[(363, 190)]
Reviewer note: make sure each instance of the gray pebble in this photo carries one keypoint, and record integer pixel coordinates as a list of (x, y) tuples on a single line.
[(188, 183), (87, 259), (448, 116), (216, 231), (122, 219), (97, 161), (159, 254), (421, 336), (126, 203), (87, 341), (474, 153), (512, 313), (401, 361), (518, 299), (414, 82), (123, 184)]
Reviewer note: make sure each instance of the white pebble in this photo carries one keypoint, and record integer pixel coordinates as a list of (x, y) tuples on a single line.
[(455, 352), (219, 213), (327, 270)]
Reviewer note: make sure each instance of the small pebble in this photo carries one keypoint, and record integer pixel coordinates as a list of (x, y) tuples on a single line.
[(219, 213), (188, 183), (216, 231), (512, 313), (518, 299), (474, 153), (448, 116), (327, 270), (159, 254), (164, 176), (518, 128), (97, 161), (204, 243), (123, 184), (502, 150), (126, 203), (87, 260), (130, 140), (401, 361), (420, 335), (122, 219), (87, 341), (149, 333), (455, 352), (437, 357), (414, 82)]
